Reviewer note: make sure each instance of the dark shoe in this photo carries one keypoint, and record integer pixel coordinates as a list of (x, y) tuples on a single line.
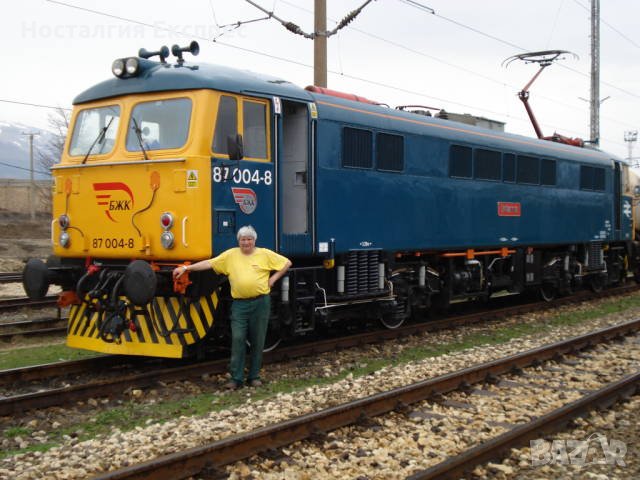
[(255, 383), (231, 385)]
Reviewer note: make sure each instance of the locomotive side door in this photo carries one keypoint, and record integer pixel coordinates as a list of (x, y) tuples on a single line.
[(295, 174), (243, 174)]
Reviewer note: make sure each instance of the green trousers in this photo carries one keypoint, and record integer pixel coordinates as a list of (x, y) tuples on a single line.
[(249, 321)]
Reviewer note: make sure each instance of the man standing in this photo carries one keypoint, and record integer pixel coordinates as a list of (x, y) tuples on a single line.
[(249, 270)]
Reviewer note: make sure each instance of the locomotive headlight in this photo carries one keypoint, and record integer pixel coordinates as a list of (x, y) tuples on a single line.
[(131, 66), (63, 221), (167, 239), (64, 239), (166, 220), (117, 67)]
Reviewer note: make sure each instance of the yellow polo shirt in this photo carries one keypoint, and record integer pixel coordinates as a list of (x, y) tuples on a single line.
[(248, 274)]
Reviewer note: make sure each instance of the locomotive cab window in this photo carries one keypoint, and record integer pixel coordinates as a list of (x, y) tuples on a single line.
[(226, 124), (357, 148), (254, 127), (460, 163), (389, 152), (95, 131), (159, 125), (254, 122)]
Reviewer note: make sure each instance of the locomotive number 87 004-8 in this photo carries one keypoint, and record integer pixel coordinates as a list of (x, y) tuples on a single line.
[(385, 213)]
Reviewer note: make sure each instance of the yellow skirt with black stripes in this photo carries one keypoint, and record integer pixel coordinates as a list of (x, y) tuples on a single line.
[(164, 328)]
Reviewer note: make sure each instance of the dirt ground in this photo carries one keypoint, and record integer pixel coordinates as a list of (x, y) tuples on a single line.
[(21, 239)]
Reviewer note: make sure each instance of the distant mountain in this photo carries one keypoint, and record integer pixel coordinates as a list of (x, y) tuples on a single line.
[(14, 150)]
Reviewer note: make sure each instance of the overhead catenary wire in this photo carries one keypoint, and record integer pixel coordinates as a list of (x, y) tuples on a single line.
[(622, 35), (30, 104), (24, 168), (505, 42), (292, 27), (453, 65), (265, 54)]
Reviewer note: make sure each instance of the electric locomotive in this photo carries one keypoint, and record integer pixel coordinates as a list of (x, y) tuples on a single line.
[(385, 213)]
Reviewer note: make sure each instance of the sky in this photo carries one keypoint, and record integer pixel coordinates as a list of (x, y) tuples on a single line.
[(449, 55)]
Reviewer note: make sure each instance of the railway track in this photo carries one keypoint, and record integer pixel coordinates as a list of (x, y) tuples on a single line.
[(42, 327), (23, 302), (10, 277), (399, 402), (167, 372)]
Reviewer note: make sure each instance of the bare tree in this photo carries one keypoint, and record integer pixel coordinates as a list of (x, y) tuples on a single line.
[(50, 151)]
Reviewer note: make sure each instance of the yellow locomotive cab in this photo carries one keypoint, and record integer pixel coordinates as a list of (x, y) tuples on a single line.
[(111, 202), (134, 183)]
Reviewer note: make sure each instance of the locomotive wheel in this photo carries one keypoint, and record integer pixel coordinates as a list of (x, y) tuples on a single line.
[(548, 292), (596, 283), (392, 321), (402, 309)]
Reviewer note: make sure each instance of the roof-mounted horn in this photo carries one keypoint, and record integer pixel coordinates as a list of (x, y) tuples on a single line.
[(193, 49), (163, 53)]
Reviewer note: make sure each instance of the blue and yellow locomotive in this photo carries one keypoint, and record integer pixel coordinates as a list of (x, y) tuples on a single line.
[(385, 213)]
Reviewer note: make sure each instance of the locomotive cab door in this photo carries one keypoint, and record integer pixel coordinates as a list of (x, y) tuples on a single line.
[(296, 178), (243, 171)]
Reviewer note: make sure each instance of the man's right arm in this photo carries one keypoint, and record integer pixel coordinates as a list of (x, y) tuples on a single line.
[(196, 267)]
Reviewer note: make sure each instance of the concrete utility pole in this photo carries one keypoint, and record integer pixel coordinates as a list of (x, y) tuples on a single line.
[(32, 186), (319, 35), (320, 44), (595, 72)]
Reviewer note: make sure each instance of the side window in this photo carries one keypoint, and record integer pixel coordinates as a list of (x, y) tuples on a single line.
[(528, 170), (460, 162), (226, 123), (357, 149), (592, 178), (598, 179), (254, 129), (486, 164), (548, 172), (389, 152), (509, 167)]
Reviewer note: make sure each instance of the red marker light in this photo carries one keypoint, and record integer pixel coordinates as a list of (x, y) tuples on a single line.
[(166, 220)]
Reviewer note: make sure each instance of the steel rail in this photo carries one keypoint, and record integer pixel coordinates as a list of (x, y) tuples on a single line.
[(10, 277), (40, 372), (237, 447), (60, 396), (24, 325), (13, 303), (497, 447), (7, 337)]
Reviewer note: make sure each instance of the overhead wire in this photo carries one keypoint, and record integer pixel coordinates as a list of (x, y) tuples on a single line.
[(17, 102), (24, 168), (505, 42), (555, 24), (632, 42), (458, 67), (293, 28), (287, 60)]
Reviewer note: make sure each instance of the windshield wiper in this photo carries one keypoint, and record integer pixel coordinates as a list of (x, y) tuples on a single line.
[(99, 139), (136, 128)]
